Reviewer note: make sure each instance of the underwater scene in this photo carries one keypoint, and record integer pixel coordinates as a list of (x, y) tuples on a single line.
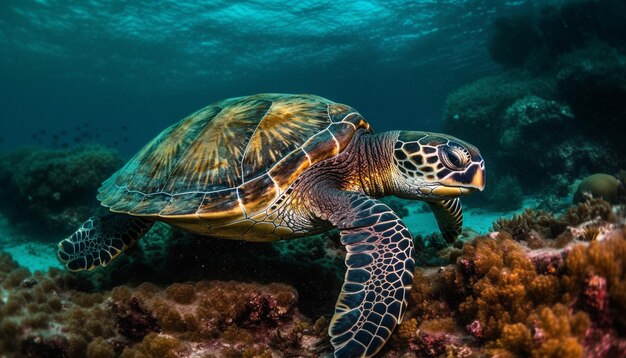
[(213, 178)]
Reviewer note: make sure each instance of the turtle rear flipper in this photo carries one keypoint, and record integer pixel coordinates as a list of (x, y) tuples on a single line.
[(380, 265), (101, 239)]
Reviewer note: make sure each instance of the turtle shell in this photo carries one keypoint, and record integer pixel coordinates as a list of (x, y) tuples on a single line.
[(231, 159)]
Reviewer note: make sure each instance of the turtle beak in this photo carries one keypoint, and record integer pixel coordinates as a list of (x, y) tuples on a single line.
[(467, 182), (478, 181), (452, 191)]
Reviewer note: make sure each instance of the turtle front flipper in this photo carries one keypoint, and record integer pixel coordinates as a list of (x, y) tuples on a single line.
[(378, 280), (101, 239), (449, 215)]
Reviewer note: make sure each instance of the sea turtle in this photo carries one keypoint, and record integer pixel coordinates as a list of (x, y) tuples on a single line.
[(277, 166)]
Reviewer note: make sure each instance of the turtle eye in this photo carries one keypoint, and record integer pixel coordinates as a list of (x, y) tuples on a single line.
[(454, 157)]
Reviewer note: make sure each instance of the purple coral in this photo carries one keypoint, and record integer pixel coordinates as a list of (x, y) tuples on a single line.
[(429, 344), (133, 321)]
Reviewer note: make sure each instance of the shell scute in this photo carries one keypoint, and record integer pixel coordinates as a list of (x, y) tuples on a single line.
[(222, 204), (127, 202), (210, 162), (289, 168), (285, 127), (321, 146), (231, 158), (338, 111), (358, 121), (151, 204), (257, 193), (182, 204), (153, 167), (342, 132)]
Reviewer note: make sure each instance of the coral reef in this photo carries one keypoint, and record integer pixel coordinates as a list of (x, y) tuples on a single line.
[(561, 97), (43, 315), (599, 185), (313, 265), (506, 194), (477, 109), (55, 188), (532, 287), (539, 285), (532, 120), (592, 80)]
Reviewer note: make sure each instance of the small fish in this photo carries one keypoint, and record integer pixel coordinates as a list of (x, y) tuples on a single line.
[(125, 139), (64, 145), (42, 131), (77, 139), (124, 127), (63, 132)]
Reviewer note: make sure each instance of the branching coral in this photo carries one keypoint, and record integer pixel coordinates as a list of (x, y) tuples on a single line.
[(589, 210), (521, 226)]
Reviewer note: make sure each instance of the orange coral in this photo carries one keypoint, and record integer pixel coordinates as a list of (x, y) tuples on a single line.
[(521, 226), (589, 210), (501, 273), (557, 333), (517, 338), (607, 260), (34, 308), (183, 293), (407, 329), (154, 345)]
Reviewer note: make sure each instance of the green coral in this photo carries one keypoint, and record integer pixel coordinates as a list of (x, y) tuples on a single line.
[(56, 188), (476, 111)]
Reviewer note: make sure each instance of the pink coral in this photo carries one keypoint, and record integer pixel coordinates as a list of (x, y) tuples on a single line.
[(428, 344), (594, 298), (475, 329)]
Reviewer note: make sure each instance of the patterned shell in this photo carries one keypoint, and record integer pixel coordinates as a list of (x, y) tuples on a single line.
[(231, 159)]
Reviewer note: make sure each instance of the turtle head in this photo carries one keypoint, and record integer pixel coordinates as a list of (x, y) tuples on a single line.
[(432, 166)]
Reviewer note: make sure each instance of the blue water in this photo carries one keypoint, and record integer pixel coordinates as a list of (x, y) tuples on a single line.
[(118, 72), (538, 86)]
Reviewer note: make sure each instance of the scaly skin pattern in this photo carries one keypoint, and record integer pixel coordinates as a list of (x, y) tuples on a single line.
[(342, 191), (331, 174)]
